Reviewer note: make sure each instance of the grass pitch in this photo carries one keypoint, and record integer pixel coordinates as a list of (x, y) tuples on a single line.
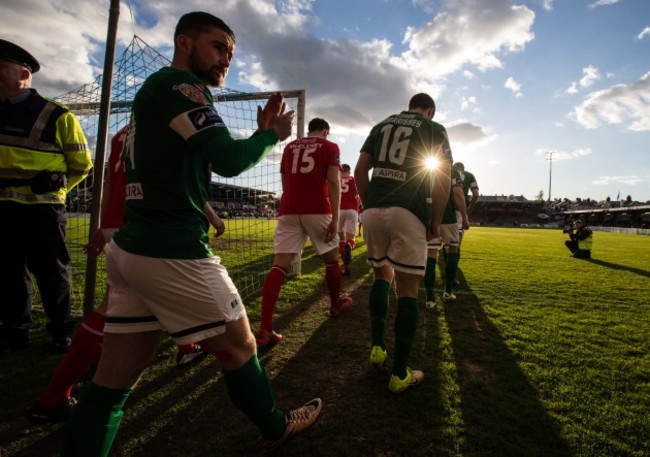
[(542, 355)]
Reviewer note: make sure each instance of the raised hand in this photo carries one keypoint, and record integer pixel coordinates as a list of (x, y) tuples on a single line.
[(274, 107), (282, 125)]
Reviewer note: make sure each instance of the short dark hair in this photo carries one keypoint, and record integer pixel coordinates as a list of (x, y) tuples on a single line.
[(345, 167), (318, 124), (459, 166), (422, 101), (198, 22)]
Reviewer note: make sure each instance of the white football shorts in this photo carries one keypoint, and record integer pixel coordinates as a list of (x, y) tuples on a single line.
[(449, 236), (394, 236), (293, 229), (190, 299), (348, 220)]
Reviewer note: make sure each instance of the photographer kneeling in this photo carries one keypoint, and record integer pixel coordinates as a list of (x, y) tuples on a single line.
[(581, 240)]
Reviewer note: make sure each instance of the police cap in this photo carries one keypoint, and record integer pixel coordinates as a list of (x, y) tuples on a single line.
[(16, 54)]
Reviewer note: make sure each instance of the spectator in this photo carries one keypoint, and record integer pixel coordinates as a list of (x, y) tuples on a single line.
[(43, 155)]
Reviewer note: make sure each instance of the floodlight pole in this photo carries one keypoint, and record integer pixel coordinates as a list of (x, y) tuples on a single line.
[(100, 152), (549, 157)]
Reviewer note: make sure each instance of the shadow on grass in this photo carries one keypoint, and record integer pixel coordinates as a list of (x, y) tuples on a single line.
[(616, 266), (173, 411), (500, 408)]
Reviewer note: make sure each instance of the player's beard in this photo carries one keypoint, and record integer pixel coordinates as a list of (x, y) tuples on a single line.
[(213, 75)]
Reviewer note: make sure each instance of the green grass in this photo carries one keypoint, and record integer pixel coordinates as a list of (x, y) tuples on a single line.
[(542, 355)]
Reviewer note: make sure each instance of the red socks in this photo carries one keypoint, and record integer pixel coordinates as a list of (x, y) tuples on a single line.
[(270, 292), (83, 353), (333, 281)]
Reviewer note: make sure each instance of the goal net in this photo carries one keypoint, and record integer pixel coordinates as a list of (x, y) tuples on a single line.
[(247, 203)]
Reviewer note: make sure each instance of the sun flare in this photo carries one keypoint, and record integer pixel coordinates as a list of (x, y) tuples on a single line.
[(431, 163)]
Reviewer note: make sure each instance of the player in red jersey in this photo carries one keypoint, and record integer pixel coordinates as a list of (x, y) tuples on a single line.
[(309, 207), (349, 217)]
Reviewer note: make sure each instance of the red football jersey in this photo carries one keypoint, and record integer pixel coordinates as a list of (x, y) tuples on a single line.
[(304, 173), (349, 198), (114, 215)]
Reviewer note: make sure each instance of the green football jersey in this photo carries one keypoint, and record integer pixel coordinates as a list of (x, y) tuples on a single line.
[(469, 183), (449, 215), (174, 136), (401, 146)]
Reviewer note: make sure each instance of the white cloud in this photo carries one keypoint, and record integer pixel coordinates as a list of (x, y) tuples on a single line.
[(590, 76), (468, 103), (631, 180), (620, 104), (514, 86), (557, 154), (547, 5), (466, 133), (603, 3), (644, 33), (467, 32), (276, 48), (435, 50), (572, 89)]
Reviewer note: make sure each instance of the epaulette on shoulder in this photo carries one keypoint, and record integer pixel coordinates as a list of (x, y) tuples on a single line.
[(59, 104)]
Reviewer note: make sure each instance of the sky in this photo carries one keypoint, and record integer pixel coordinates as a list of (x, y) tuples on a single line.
[(536, 95)]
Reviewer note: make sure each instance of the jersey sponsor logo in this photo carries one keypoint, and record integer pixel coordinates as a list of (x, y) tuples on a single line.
[(396, 175), (192, 91), (205, 117), (234, 303), (134, 191)]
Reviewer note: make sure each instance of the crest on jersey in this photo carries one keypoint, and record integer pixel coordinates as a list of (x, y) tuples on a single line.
[(192, 91)]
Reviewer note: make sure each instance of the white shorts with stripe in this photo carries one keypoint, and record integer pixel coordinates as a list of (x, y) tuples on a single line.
[(449, 236), (348, 220), (459, 223), (394, 236), (190, 299), (293, 229)]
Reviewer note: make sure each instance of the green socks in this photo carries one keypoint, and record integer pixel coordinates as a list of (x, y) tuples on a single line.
[(430, 278), (451, 268), (405, 325), (379, 299), (92, 428), (250, 391)]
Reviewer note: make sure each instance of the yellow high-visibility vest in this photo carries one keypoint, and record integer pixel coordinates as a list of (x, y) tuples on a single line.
[(38, 134)]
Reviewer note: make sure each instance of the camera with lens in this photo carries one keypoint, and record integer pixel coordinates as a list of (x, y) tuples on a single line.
[(567, 229)]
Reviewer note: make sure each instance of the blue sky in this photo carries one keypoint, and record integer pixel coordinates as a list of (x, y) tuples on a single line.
[(516, 82)]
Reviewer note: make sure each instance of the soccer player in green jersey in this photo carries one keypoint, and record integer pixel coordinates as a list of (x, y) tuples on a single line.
[(397, 219), (469, 185), (471, 194), (450, 239), (162, 273)]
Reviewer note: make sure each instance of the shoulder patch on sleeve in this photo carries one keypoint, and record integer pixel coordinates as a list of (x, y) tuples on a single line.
[(194, 92), (190, 122)]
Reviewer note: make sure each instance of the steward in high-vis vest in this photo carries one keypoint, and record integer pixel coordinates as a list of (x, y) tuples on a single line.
[(581, 239), (43, 154)]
